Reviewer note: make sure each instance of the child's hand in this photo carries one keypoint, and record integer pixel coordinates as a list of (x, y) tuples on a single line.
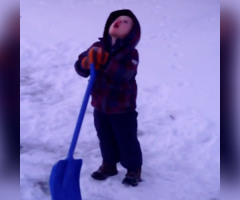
[(97, 56)]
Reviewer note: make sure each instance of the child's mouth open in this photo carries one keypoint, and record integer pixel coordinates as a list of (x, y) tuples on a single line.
[(116, 25)]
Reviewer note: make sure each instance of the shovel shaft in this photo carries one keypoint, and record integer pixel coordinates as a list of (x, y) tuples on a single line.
[(82, 112)]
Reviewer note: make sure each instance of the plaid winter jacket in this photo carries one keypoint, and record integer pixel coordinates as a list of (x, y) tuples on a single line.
[(115, 88)]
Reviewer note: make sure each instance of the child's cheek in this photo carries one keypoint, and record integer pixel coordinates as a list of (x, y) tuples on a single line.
[(111, 30)]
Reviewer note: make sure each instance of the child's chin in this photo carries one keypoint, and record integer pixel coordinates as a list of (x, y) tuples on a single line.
[(113, 35)]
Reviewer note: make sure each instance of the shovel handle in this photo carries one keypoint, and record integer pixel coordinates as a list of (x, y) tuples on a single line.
[(82, 112)]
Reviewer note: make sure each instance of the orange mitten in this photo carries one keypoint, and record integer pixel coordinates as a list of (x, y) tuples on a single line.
[(85, 63), (97, 56)]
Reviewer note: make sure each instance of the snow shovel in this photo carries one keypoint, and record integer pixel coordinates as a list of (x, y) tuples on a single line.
[(65, 175)]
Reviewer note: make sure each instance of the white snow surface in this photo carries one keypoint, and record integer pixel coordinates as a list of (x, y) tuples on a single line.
[(178, 97)]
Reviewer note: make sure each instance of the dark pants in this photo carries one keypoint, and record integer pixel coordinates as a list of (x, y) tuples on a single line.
[(117, 134)]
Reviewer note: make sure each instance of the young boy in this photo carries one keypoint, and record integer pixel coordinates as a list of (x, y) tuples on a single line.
[(114, 95)]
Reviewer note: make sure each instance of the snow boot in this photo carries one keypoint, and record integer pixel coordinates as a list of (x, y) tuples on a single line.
[(132, 178), (104, 171)]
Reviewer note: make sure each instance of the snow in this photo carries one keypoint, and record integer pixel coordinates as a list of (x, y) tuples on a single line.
[(178, 97)]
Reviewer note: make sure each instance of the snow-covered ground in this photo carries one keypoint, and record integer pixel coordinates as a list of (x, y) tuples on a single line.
[(178, 97)]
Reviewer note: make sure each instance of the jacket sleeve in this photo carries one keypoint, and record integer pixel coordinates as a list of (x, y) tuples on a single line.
[(123, 68), (78, 66)]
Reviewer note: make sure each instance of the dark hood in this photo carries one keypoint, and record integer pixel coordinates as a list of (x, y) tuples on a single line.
[(133, 37)]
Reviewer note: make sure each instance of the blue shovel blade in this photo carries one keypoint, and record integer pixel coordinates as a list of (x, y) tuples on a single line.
[(64, 180)]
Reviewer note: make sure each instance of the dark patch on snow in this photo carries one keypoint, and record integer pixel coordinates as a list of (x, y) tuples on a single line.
[(43, 186), (33, 147), (140, 132), (26, 80), (21, 149), (89, 111)]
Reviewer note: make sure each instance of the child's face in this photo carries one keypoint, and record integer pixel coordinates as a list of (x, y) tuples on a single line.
[(121, 27)]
